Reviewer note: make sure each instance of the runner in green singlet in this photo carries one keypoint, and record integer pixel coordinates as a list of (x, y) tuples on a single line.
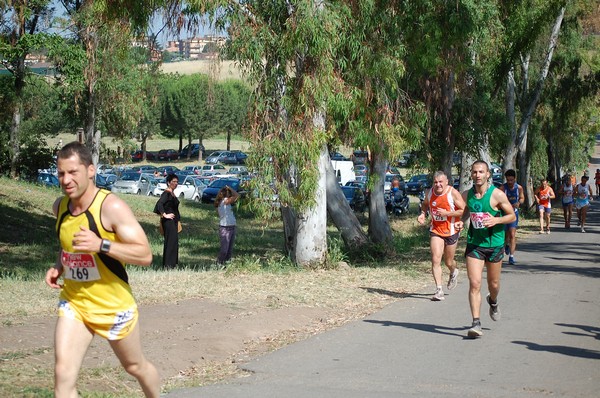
[(488, 209)]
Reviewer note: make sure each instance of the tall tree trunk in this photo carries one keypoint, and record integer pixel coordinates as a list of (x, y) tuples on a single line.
[(449, 139), (310, 248), (529, 108), (15, 126), (379, 224), (340, 212), (510, 153)]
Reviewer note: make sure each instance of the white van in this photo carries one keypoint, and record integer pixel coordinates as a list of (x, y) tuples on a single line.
[(344, 171)]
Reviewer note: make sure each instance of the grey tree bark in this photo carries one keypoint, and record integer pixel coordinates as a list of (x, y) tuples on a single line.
[(528, 104), (379, 224), (310, 248), (340, 212)]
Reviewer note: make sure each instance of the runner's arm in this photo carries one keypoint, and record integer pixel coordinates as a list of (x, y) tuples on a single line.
[(521, 196), (424, 207), (459, 225), (131, 245), (504, 205)]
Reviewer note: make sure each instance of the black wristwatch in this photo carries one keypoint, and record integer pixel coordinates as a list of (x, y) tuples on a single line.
[(105, 246)]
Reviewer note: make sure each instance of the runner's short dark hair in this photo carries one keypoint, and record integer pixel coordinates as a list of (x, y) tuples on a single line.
[(76, 148), (510, 173)]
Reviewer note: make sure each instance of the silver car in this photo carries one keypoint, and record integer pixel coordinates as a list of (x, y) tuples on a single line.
[(135, 183)]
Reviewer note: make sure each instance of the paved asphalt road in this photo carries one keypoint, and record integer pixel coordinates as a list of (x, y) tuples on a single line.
[(547, 343)]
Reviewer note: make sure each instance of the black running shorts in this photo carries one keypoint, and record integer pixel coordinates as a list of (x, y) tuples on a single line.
[(489, 254)]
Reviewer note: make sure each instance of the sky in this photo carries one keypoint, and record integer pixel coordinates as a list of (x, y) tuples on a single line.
[(155, 26)]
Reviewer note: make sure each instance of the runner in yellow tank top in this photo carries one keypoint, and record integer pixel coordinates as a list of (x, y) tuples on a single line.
[(445, 205), (98, 234)]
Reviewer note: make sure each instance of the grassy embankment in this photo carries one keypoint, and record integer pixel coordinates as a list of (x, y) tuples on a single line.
[(28, 246)]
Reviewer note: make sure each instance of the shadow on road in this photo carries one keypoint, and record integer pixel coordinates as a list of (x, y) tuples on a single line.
[(395, 294), (425, 327), (560, 349), (594, 331)]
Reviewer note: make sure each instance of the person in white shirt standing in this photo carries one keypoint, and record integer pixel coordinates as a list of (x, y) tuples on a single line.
[(226, 197)]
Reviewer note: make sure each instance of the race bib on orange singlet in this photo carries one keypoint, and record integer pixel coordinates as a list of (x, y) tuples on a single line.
[(436, 215), (80, 267), (478, 218)]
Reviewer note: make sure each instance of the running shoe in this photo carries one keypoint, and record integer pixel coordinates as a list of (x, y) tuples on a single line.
[(475, 330), (494, 310), (511, 260), (438, 296), (506, 250), (453, 279), (548, 231), (582, 230)]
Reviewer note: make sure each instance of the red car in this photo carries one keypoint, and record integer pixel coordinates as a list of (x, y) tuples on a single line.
[(137, 156), (168, 155)]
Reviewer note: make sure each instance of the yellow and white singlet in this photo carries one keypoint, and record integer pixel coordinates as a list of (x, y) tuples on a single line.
[(96, 290)]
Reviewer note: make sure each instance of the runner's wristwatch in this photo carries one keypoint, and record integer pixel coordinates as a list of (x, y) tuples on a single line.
[(105, 246)]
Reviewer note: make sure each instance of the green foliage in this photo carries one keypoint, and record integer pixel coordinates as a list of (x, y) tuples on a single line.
[(42, 117)]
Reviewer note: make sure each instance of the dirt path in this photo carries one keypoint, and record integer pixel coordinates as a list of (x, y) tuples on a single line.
[(191, 339)]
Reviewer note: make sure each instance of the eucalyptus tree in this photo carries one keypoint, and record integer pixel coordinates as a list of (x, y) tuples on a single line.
[(531, 35), (104, 32), (447, 45), (21, 22), (374, 112), (569, 109), (287, 49)]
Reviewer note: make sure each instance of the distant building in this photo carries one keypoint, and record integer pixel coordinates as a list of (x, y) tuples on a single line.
[(193, 48)]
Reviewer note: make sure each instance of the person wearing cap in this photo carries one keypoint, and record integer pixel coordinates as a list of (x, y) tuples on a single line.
[(583, 195)]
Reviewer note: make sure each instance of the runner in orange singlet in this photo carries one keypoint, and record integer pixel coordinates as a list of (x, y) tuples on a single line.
[(445, 205), (544, 195)]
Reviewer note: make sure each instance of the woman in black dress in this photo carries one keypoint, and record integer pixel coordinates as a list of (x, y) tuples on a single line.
[(168, 208)]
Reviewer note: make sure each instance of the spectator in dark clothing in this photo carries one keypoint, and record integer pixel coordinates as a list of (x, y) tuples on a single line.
[(168, 208)]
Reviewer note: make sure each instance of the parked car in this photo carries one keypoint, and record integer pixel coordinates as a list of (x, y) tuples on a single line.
[(418, 183), (405, 159), (149, 169), (191, 188), (212, 169), (387, 184), (167, 155), (355, 197), (161, 185), (337, 156), (194, 152), (137, 156), (224, 157), (361, 169), (47, 179), (194, 169), (105, 181), (210, 192), (135, 183), (240, 156), (362, 185), (238, 170), (359, 156), (102, 168), (166, 170)]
